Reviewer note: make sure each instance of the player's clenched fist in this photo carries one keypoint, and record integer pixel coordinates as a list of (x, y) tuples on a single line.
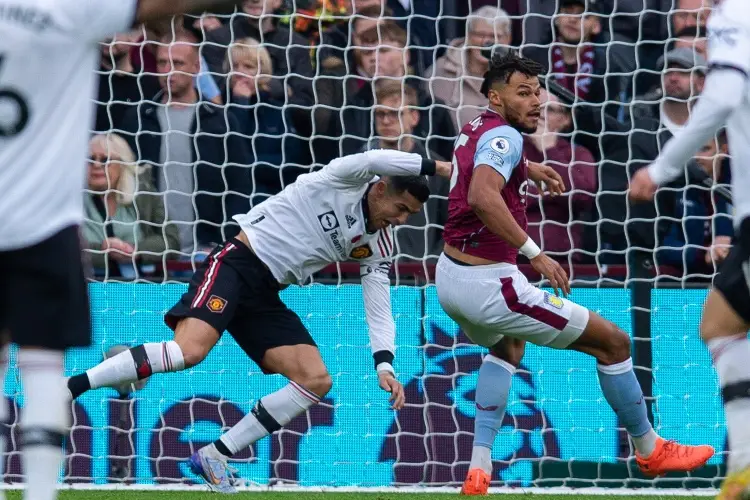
[(389, 384), (550, 269)]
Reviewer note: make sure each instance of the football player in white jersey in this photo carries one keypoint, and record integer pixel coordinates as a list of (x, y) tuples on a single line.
[(49, 50), (343, 212), (725, 102)]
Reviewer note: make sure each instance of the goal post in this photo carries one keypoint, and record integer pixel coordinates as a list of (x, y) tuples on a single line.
[(558, 432)]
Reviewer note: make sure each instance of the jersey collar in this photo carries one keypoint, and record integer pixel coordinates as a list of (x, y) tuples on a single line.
[(366, 209)]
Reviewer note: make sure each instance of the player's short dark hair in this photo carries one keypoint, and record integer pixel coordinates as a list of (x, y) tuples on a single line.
[(502, 67), (415, 185)]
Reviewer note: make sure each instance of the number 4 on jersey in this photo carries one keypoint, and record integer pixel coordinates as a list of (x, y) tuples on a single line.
[(20, 113)]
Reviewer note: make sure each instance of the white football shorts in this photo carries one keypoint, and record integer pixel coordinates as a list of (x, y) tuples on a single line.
[(490, 302)]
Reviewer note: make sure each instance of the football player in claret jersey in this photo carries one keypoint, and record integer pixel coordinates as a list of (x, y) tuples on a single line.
[(343, 212), (480, 287), (49, 50), (725, 101)]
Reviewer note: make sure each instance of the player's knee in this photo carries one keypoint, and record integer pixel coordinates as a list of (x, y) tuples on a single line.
[(618, 346), (509, 350), (317, 382)]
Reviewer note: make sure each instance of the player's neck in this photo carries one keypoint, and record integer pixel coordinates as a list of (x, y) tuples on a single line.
[(677, 111)]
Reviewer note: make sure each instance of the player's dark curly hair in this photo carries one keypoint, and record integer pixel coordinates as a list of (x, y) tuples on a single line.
[(503, 66)]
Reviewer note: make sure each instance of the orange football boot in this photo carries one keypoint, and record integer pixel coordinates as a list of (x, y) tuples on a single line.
[(670, 456), (477, 483)]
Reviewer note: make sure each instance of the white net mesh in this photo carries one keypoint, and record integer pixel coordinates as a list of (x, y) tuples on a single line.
[(276, 102)]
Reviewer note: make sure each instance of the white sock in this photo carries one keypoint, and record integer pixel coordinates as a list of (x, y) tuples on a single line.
[(4, 414), (136, 364), (732, 361), (480, 459), (45, 420), (645, 444), (270, 414)]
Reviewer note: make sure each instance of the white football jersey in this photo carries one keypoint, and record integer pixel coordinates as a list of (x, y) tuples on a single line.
[(320, 219), (729, 46), (725, 102), (48, 54)]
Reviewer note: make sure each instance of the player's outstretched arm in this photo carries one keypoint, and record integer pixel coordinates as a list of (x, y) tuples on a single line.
[(722, 94), (486, 201), (376, 292), (361, 167), (153, 10)]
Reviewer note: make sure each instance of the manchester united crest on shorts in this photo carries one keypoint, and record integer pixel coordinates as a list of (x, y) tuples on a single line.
[(216, 304), (553, 301), (361, 252)]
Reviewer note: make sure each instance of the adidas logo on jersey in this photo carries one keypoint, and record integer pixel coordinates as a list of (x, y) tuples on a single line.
[(350, 221)]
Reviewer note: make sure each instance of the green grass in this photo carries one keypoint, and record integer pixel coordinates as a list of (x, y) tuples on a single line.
[(182, 495)]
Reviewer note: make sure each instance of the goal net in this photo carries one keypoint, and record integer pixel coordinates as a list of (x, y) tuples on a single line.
[(304, 93)]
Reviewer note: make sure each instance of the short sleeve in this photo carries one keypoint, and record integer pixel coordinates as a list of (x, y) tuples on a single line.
[(729, 37), (501, 149), (96, 20)]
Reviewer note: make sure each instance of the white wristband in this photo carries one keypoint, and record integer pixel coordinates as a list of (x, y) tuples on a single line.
[(385, 367), (530, 249)]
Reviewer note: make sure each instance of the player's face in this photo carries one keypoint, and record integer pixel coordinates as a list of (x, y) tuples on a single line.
[(104, 169), (388, 208), (554, 117), (518, 101), (177, 64)]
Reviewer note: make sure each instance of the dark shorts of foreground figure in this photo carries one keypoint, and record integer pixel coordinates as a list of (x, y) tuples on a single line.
[(44, 301)]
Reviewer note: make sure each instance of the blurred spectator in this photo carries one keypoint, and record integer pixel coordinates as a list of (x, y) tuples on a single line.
[(419, 18), (396, 118), (260, 118), (197, 153), (575, 62), (558, 223), (383, 56), (122, 84), (689, 14), (125, 221), (691, 38), (311, 18), (700, 235), (669, 104), (456, 78), (293, 74), (339, 43)]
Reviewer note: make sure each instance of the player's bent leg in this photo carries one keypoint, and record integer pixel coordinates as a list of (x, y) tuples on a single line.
[(308, 382), (725, 334), (193, 340), (491, 398), (611, 348), (45, 419)]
